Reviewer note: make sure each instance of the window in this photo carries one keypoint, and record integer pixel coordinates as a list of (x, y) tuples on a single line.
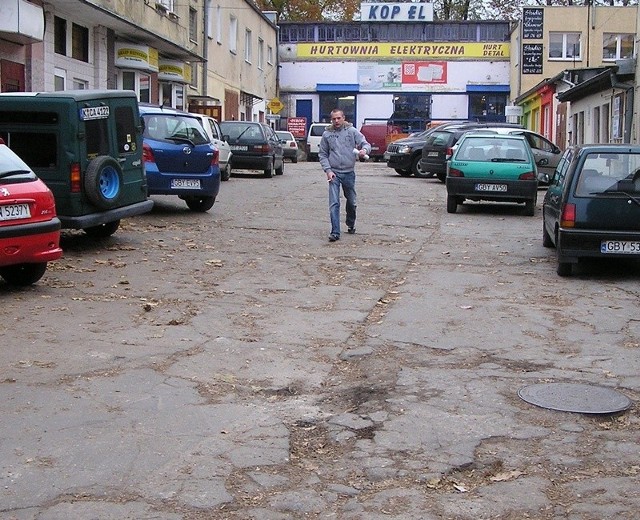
[(260, 53), (411, 111), (166, 4), (247, 46), (487, 107), (125, 129), (80, 84), (138, 82), (233, 34), (564, 46), (269, 55), (80, 43), (60, 36), (219, 24), (193, 24), (617, 46), (59, 79)]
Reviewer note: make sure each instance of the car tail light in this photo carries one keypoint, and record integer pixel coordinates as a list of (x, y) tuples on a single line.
[(449, 153), (75, 176), (215, 157), (261, 148), (293, 145), (454, 172), (568, 216), (147, 154), (527, 176)]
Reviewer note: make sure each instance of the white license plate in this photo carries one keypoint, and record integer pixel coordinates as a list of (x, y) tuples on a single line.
[(14, 211), (181, 184), (239, 147), (624, 247), (386, 156), (491, 187), (432, 154)]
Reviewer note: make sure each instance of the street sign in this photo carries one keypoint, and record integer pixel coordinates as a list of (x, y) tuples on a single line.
[(275, 105)]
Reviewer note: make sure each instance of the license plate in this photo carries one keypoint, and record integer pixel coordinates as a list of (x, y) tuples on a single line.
[(14, 211), (239, 147), (432, 154), (181, 184), (386, 156), (491, 187), (624, 247)]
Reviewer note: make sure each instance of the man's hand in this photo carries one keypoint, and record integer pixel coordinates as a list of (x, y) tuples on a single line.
[(330, 176)]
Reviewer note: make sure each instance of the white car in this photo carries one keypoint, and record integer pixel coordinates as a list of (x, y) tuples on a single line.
[(289, 145), (214, 132)]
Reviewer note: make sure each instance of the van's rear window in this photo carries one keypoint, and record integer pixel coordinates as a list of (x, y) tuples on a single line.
[(19, 117), (38, 150)]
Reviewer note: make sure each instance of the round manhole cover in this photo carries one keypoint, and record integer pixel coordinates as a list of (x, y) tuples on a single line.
[(575, 397)]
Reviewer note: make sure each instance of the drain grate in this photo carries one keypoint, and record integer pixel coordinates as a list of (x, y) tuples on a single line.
[(575, 397)]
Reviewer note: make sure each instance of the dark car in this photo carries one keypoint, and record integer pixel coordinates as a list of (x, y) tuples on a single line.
[(179, 157), (29, 228), (86, 146), (403, 155), (492, 167), (255, 146), (439, 144), (592, 205)]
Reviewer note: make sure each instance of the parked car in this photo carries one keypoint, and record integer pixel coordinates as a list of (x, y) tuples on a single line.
[(493, 167), (541, 147), (403, 155), (377, 135), (313, 140), (592, 205), (255, 146), (86, 145), (179, 157), (29, 228), (212, 127), (289, 145), (438, 144)]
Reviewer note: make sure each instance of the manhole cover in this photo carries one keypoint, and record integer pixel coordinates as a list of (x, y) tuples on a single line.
[(574, 397)]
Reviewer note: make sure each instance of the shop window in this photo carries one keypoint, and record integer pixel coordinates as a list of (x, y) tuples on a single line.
[(617, 46), (139, 82), (564, 46), (345, 102), (411, 111), (487, 107)]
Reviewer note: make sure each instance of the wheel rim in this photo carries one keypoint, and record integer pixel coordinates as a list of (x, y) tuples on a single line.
[(109, 182)]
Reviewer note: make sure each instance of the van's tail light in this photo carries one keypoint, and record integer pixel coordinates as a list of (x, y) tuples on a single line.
[(215, 157), (527, 176), (261, 148), (147, 154), (568, 216), (75, 175), (454, 172), (449, 153)]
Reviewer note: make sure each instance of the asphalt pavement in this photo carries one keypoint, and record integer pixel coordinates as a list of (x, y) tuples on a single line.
[(235, 364)]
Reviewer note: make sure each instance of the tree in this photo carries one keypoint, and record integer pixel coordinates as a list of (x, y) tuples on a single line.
[(311, 10)]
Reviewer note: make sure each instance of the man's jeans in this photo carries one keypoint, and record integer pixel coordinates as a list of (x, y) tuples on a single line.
[(348, 183)]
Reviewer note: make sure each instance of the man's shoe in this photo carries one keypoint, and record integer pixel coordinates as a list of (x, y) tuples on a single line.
[(333, 238), (351, 231)]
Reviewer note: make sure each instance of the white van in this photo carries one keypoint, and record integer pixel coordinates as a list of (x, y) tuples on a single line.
[(212, 127), (313, 140)]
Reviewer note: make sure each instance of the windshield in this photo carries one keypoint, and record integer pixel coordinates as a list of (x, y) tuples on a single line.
[(492, 149), (609, 173), (12, 167), (174, 128)]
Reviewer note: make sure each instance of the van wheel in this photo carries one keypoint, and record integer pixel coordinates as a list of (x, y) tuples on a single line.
[(403, 173), (23, 274), (417, 170), (103, 230), (200, 204), (442, 177), (280, 171), (530, 208), (452, 204), (103, 182)]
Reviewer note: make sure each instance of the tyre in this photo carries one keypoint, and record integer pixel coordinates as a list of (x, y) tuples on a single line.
[(268, 171), (546, 238), (23, 274), (200, 204), (564, 269), (530, 208), (225, 174), (417, 170), (103, 230), (403, 173), (280, 171), (294, 160), (452, 204), (442, 176), (103, 182)]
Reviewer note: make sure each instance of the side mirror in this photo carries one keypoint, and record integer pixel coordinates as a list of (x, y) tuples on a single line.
[(556, 150), (544, 177)]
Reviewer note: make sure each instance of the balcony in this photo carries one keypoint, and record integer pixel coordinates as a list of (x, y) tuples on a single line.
[(21, 22)]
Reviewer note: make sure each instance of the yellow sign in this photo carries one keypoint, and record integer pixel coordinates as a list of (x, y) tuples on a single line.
[(404, 50), (275, 105)]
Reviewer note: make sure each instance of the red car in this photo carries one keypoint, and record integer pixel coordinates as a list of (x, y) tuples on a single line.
[(29, 228)]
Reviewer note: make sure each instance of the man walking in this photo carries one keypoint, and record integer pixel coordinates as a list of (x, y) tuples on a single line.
[(340, 146)]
